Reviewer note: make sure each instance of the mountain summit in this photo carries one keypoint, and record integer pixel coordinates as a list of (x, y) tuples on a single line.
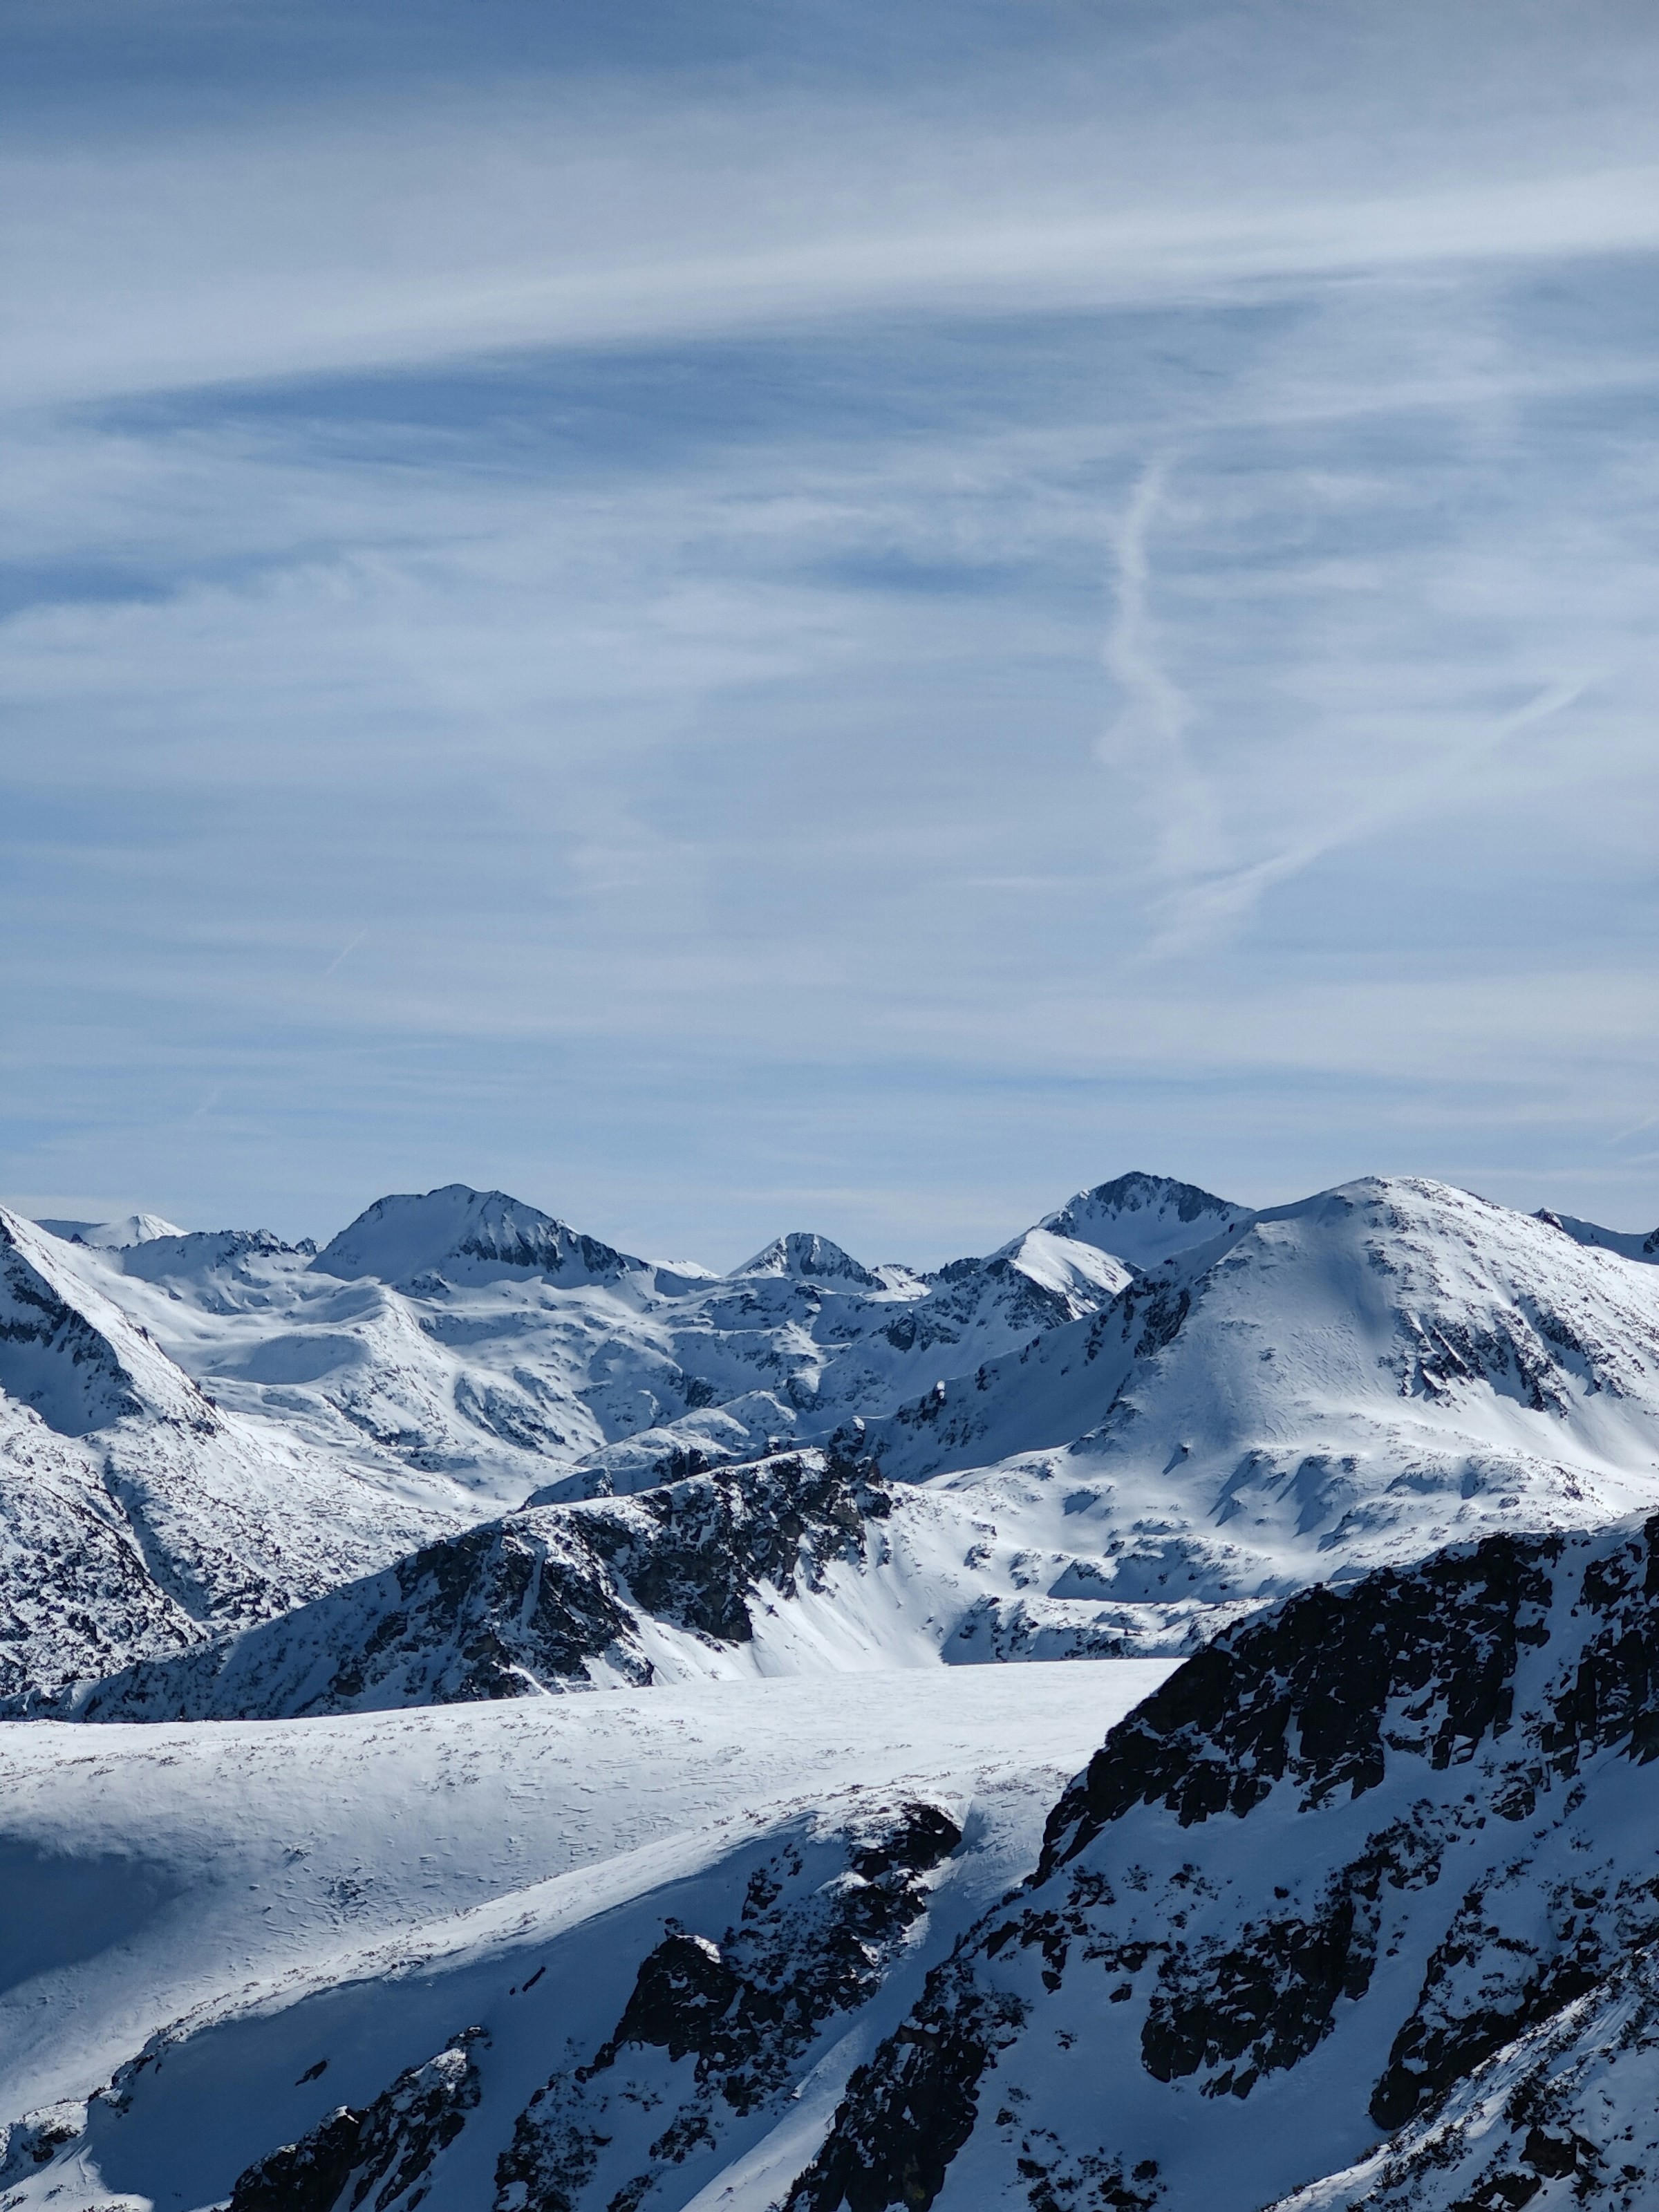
[(467, 1234), (1144, 1219)]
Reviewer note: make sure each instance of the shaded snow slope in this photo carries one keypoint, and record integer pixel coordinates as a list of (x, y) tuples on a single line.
[(1567, 2113), (245, 1930), (1339, 1862), (70, 1353)]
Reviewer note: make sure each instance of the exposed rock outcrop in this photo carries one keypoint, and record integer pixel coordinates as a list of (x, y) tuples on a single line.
[(715, 2030), (1363, 1845), (552, 1598), (382, 2153)]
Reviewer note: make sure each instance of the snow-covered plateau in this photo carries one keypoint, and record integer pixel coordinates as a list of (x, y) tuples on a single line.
[(502, 1724)]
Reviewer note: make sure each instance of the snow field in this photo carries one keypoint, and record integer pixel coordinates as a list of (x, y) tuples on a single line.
[(353, 1883)]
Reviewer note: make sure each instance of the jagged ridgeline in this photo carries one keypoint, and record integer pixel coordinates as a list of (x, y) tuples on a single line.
[(1359, 1907), (1381, 1865), (1077, 1452), (593, 1760)]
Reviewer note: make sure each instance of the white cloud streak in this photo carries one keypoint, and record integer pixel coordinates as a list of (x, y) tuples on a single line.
[(716, 740), (326, 242)]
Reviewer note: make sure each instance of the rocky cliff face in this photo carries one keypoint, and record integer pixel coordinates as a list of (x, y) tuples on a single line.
[(1338, 1864), (552, 1598), (384, 2151), (715, 2029)]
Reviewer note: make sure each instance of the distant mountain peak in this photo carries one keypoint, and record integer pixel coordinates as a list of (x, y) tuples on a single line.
[(803, 1254), (112, 1236), (1144, 1220), (456, 1228)]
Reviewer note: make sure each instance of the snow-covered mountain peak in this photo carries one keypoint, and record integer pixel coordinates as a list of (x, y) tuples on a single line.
[(1143, 1219), (1354, 1379), (472, 1235), (70, 1353), (112, 1236), (807, 1257)]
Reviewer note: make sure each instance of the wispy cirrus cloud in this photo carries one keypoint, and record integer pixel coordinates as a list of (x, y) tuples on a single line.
[(910, 616), (426, 226)]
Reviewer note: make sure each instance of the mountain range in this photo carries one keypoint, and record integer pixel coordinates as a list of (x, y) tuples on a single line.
[(1300, 1858)]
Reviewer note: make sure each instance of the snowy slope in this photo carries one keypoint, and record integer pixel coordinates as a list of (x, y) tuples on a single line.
[(137, 1516), (278, 1921), (1629, 1244), (70, 1353), (1339, 1862), (484, 1346), (1359, 1377)]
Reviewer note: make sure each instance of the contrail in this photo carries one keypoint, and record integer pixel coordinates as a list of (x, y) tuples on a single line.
[(1148, 740), (1208, 905), (341, 954)]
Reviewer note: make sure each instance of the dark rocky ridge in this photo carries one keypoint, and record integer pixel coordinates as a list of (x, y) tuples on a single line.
[(519, 1605), (716, 2030), (1485, 1705), (385, 2150)]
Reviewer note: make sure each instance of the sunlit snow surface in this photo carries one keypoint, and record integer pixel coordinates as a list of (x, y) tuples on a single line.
[(358, 1890)]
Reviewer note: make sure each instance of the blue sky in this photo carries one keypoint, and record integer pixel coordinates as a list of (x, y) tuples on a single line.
[(763, 616)]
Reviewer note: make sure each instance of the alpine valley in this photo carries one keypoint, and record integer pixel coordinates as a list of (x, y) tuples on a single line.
[(1165, 1715)]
